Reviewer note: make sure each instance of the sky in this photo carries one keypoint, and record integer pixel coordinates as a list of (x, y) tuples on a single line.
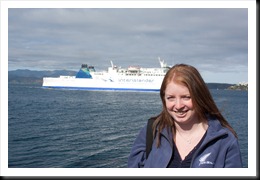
[(214, 40)]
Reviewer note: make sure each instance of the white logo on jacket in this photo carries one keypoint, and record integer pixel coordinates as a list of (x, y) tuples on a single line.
[(202, 160)]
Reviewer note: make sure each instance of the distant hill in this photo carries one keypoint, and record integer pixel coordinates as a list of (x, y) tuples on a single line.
[(40, 74), (218, 85), (25, 76)]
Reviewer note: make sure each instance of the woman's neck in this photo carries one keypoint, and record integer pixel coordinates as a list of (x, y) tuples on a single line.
[(191, 128)]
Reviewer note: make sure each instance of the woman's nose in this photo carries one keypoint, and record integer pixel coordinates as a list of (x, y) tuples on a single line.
[(178, 104)]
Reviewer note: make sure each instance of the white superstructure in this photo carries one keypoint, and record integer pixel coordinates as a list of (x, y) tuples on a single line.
[(133, 78)]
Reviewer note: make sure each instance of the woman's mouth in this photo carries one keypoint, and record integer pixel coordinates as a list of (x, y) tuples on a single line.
[(181, 113)]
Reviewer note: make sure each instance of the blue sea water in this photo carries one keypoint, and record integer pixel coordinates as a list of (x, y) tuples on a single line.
[(55, 128)]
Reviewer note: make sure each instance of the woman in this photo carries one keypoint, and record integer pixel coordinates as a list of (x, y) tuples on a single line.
[(190, 131)]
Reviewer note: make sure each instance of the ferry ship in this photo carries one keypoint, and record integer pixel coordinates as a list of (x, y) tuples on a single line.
[(133, 78)]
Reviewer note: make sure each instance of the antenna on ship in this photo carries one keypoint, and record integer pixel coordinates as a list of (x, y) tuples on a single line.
[(162, 63), (112, 64)]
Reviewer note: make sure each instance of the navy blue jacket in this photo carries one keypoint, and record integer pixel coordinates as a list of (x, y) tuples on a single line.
[(219, 149)]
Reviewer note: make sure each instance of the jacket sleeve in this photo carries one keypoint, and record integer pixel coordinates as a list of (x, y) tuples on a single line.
[(137, 155), (233, 156)]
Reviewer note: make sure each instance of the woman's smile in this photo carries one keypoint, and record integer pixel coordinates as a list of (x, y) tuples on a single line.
[(181, 114)]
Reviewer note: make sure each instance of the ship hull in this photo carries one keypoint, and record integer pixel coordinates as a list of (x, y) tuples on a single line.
[(118, 84)]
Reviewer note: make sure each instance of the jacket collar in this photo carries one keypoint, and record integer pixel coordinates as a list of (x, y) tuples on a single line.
[(214, 130), (167, 133)]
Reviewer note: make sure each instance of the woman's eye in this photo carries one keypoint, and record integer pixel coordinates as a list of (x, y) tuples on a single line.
[(170, 98), (186, 98)]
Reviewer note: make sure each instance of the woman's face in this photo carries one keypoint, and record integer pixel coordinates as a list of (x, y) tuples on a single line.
[(179, 103)]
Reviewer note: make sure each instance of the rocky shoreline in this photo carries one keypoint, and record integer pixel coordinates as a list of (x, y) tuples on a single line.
[(240, 86)]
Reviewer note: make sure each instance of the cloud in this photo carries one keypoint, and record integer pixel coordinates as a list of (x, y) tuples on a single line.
[(213, 40)]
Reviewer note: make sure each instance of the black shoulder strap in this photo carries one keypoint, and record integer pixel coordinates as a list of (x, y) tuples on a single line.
[(149, 136)]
